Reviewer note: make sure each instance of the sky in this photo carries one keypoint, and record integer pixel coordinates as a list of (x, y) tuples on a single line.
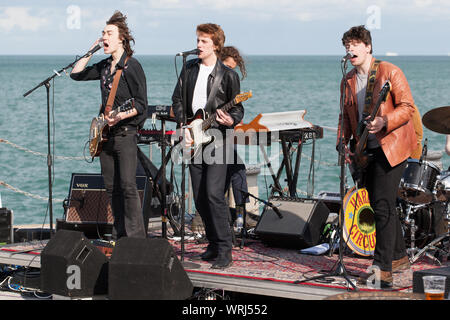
[(256, 27)]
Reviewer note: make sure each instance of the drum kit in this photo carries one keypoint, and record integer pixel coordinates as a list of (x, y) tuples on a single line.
[(424, 195)]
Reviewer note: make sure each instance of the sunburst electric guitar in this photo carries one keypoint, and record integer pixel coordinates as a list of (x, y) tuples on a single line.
[(99, 128), (201, 122)]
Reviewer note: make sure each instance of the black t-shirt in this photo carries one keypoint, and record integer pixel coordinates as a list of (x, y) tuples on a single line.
[(132, 84)]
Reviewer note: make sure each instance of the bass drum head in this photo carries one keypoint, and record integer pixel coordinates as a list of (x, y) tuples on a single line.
[(359, 222)]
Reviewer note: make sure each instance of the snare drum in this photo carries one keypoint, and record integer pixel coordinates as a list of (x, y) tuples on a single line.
[(418, 181)]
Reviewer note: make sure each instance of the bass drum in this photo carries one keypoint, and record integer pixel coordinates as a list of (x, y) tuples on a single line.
[(359, 222)]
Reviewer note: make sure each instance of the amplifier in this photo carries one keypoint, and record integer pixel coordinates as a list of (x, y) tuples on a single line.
[(88, 203), (6, 226)]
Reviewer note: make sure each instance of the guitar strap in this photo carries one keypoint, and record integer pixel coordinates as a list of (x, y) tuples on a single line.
[(215, 87), (370, 86), (112, 93), (369, 95)]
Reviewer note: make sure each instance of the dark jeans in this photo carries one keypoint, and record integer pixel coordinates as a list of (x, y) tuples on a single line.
[(208, 183), (118, 161), (382, 186)]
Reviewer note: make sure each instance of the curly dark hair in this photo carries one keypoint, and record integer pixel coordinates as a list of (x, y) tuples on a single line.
[(358, 33), (120, 21), (232, 52)]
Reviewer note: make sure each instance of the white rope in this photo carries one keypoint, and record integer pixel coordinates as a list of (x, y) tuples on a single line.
[(38, 153), (28, 194)]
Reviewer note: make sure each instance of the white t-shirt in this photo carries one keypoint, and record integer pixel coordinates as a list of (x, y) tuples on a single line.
[(201, 87)]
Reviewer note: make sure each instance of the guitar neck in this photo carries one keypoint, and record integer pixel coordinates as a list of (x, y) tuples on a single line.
[(227, 107), (365, 134)]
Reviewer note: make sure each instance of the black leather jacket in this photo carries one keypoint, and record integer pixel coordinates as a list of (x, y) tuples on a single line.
[(227, 91)]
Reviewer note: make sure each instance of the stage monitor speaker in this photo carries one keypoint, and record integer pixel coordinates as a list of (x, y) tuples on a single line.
[(72, 266), (146, 269), (418, 281), (301, 224), (88, 208)]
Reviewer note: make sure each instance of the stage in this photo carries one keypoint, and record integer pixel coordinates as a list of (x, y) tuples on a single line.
[(257, 269)]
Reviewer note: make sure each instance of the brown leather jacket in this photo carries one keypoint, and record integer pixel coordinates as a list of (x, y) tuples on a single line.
[(397, 138)]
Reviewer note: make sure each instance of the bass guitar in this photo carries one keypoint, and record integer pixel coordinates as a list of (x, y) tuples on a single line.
[(201, 122), (360, 159), (99, 129)]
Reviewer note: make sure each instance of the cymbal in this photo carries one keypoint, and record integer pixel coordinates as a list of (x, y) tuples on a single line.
[(438, 120)]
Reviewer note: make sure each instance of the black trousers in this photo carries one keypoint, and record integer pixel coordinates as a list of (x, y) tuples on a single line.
[(208, 183), (382, 185), (118, 161)]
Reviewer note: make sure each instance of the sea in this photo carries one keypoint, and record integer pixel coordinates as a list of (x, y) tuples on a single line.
[(278, 84)]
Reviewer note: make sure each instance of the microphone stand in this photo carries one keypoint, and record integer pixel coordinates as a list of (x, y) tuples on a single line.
[(340, 270), (46, 83), (186, 264)]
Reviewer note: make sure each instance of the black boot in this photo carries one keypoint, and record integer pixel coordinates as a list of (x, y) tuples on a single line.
[(223, 260), (209, 255)]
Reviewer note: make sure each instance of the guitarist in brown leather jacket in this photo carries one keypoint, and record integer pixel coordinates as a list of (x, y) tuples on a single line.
[(208, 177), (391, 141)]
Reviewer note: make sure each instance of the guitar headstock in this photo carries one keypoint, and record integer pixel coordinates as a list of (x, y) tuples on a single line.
[(127, 105), (386, 88), (243, 97)]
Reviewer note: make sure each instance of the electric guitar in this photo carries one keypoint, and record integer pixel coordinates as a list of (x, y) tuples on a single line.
[(360, 160), (201, 122), (99, 129)]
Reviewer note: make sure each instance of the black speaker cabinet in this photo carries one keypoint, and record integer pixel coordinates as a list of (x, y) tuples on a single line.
[(72, 266), (301, 224), (146, 269), (418, 281)]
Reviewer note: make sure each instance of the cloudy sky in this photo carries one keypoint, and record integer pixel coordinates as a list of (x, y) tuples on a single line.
[(304, 27)]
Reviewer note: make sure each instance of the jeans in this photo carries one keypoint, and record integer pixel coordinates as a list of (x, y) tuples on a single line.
[(382, 186), (118, 161)]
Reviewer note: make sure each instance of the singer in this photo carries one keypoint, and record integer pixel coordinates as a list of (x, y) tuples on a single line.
[(391, 141), (209, 86), (118, 158)]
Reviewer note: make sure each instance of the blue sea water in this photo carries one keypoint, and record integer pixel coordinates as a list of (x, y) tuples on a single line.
[(279, 83)]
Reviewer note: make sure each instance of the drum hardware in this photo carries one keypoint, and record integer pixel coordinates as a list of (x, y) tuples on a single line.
[(415, 254), (423, 214)]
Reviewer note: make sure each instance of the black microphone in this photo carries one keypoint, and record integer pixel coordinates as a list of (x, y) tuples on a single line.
[(275, 209), (94, 49), (187, 53), (349, 55)]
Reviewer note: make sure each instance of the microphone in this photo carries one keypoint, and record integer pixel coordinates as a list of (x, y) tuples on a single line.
[(187, 53), (275, 209), (349, 55), (94, 49)]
